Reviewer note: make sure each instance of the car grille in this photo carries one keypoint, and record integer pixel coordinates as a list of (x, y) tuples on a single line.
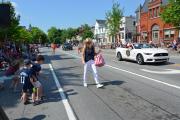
[(160, 54), (158, 60)]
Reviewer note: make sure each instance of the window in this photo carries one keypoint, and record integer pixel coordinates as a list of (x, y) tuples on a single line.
[(168, 34), (150, 13), (134, 23), (155, 14), (144, 35), (158, 11), (155, 34), (172, 33), (122, 35)]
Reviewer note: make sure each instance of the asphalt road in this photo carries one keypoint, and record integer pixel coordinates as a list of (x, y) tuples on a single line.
[(130, 93)]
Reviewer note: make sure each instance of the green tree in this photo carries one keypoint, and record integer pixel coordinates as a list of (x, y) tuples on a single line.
[(171, 13), (86, 32), (64, 35), (38, 36), (113, 18), (54, 35), (71, 33), (9, 32), (22, 35)]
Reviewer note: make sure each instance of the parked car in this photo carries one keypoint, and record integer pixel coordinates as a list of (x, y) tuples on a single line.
[(67, 46), (142, 53)]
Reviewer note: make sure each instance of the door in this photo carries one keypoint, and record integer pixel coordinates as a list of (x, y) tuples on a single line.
[(155, 37)]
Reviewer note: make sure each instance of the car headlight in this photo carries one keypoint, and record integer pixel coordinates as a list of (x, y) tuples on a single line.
[(148, 53)]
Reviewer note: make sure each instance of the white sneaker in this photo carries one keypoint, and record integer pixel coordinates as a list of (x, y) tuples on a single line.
[(99, 85), (85, 85)]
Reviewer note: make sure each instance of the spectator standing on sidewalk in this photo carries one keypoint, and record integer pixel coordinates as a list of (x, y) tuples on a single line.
[(175, 45), (88, 56)]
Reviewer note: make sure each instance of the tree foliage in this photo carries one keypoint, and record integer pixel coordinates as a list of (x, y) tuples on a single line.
[(38, 36), (86, 32), (12, 29), (113, 18), (171, 13), (54, 35), (71, 33)]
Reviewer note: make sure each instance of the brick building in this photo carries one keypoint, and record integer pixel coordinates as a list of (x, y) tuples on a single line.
[(150, 26)]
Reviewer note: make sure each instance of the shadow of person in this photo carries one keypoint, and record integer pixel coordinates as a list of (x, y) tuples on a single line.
[(38, 117)]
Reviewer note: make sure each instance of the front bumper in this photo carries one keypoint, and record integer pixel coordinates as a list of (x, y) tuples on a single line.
[(156, 59)]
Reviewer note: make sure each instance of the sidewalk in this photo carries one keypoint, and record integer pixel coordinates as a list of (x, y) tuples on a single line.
[(51, 108)]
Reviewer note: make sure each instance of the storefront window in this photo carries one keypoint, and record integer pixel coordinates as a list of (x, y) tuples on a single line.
[(168, 34)]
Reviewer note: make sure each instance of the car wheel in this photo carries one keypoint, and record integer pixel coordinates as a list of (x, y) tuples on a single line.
[(119, 56), (140, 59)]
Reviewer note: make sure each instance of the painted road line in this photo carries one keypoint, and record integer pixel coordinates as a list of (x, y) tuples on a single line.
[(67, 106), (165, 72), (151, 79)]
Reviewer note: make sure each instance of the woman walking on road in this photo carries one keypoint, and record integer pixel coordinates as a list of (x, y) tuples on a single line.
[(88, 56)]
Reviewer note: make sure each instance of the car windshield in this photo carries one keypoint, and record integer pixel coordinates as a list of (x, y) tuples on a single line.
[(140, 46)]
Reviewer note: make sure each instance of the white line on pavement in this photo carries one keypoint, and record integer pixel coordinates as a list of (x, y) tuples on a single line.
[(67, 106), (151, 79)]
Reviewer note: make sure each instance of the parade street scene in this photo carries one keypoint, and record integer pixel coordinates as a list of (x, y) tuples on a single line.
[(90, 60)]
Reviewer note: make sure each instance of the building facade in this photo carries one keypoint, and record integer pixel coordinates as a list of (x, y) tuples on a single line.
[(150, 26), (127, 29), (100, 32)]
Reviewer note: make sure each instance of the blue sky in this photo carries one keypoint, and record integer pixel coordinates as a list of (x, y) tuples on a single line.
[(67, 13)]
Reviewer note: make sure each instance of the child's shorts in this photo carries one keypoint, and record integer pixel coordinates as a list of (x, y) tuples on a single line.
[(37, 84)]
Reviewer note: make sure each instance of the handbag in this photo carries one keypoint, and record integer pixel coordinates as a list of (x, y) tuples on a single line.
[(99, 60)]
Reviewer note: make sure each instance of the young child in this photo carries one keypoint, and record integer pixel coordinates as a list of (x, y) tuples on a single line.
[(35, 69), (27, 81)]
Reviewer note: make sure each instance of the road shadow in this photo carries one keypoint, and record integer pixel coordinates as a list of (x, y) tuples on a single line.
[(160, 64), (38, 117), (113, 82), (152, 64), (70, 93), (8, 98)]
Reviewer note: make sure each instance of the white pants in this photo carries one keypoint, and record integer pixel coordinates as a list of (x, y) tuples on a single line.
[(90, 64)]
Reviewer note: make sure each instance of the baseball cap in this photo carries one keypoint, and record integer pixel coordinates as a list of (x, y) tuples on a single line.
[(27, 62)]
